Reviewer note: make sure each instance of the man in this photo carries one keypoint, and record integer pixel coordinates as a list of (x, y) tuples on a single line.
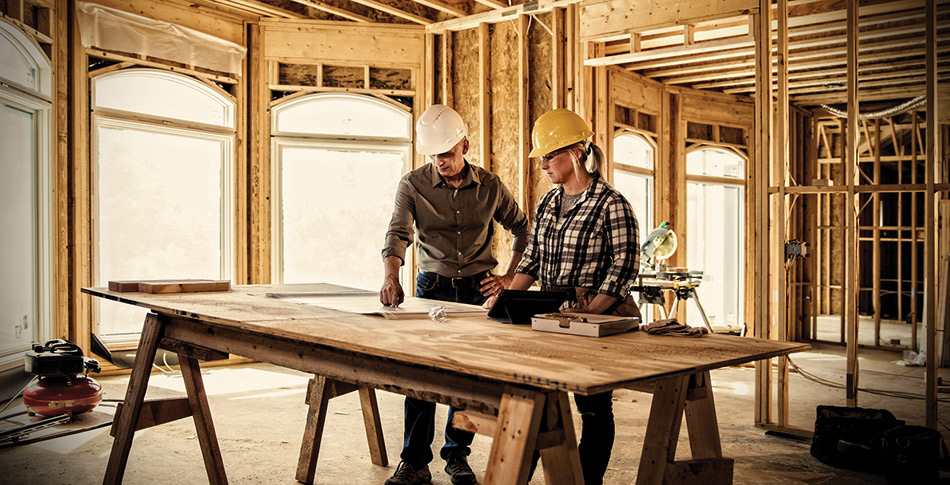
[(452, 205)]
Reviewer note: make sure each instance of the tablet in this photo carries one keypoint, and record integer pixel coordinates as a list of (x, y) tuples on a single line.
[(518, 306)]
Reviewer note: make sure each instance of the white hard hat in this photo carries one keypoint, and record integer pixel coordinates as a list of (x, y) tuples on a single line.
[(438, 130)]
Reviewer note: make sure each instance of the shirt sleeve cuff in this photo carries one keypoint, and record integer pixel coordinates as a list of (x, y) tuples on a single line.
[(519, 244)]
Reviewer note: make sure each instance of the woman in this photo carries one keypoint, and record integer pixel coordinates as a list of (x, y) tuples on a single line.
[(584, 241)]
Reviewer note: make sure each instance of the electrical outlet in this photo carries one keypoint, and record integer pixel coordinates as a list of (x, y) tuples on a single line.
[(17, 332)]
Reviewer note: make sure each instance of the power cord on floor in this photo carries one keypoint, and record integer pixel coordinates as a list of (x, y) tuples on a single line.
[(839, 385)]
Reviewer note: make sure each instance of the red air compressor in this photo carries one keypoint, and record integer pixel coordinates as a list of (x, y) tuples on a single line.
[(59, 389)]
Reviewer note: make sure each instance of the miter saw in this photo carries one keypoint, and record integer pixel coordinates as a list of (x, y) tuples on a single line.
[(659, 245)]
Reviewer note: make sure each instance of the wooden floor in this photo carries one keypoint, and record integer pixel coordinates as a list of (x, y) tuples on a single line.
[(259, 415)]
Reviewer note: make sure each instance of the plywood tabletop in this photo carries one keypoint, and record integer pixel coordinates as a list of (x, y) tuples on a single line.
[(469, 345)]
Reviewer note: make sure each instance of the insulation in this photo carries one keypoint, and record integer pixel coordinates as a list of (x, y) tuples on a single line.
[(115, 30), (464, 78), (540, 97), (381, 78), (343, 77), (506, 110)]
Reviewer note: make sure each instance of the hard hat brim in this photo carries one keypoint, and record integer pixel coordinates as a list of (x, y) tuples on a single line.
[(541, 151), (438, 148)]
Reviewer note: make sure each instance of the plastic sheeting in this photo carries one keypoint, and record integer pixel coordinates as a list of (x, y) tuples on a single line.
[(111, 29)]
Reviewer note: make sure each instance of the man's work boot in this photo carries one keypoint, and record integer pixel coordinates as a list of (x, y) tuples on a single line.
[(456, 465), (407, 475)]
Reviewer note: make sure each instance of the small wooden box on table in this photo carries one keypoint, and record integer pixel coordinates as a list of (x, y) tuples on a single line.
[(512, 383)]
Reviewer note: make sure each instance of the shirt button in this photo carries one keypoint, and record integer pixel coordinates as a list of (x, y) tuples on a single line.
[(458, 212), (458, 232), (460, 253)]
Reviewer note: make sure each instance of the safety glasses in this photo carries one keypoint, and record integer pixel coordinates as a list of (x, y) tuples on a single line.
[(550, 156)]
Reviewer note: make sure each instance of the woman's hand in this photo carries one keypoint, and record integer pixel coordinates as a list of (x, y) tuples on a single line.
[(598, 305)]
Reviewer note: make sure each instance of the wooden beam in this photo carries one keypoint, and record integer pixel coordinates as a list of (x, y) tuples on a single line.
[(448, 91), (80, 142), (484, 98), (895, 46), (443, 7), (603, 119), (815, 77), (495, 4), (558, 64), (876, 244), (428, 68), (157, 411), (500, 15), (262, 9), (667, 52), (780, 169), (759, 177), (339, 12), (258, 161), (382, 7), (849, 288), (930, 283), (573, 60), (161, 65), (524, 123), (61, 167)]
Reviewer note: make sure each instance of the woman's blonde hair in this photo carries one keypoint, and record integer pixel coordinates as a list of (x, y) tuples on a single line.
[(591, 159)]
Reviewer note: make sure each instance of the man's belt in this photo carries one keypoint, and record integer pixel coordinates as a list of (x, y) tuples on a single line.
[(458, 281)]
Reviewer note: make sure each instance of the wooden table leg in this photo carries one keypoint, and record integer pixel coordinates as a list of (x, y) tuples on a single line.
[(516, 433), (701, 422), (198, 400), (125, 422), (663, 427), (562, 463), (671, 397), (374, 428), (318, 398)]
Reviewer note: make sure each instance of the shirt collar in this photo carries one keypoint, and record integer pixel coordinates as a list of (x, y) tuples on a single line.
[(594, 188), (470, 176)]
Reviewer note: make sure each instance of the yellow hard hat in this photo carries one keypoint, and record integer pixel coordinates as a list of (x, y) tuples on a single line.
[(557, 129)]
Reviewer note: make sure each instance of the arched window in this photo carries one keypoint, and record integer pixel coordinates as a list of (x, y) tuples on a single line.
[(337, 160), (162, 184), (26, 181), (634, 157), (715, 215)]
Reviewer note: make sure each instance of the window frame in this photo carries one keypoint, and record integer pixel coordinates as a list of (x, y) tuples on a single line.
[(36, 101), (740, 183), (117, 118), (43, 224), (174, 77), (284, 139), (645, 226)]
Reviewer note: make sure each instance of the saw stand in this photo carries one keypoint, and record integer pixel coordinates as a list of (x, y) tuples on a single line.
[(683, 285)]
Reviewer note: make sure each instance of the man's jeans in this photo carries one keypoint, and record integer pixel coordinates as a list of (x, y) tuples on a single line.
[(420, 415)]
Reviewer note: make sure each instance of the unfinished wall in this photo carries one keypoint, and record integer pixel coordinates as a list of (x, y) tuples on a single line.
[(465, 88), (890, 222), (540, 97), (501, 82)]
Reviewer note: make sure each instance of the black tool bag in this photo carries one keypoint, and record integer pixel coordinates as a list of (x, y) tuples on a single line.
[(852, 437), (912, 455)]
